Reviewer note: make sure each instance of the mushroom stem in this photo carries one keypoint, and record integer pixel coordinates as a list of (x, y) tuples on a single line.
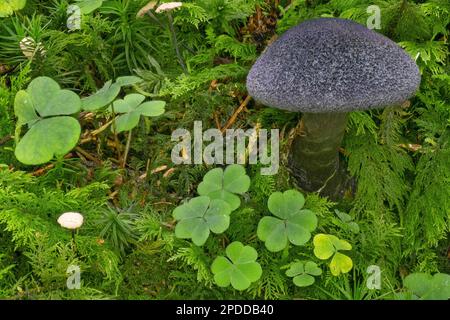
[(314, 156), (74, 244)]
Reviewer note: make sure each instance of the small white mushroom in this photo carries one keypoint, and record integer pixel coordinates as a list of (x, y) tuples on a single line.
[(71, 220), (168, 6)]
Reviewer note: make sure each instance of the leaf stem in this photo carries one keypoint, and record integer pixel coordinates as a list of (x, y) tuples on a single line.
[(116, 138), (127, 149), (74, 244)]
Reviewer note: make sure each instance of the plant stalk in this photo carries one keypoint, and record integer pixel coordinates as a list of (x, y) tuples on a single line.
[(74, 244), (314, 156), (173, 37), (116, 137), (127, 150)]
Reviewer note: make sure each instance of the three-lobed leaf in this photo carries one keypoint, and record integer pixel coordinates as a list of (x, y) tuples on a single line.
[(303, 273), (131, 108), (45, 108), (347, 221), (326, 245), (290, 224), (239, 268), (428, 287), (225, 185), (200, 216)]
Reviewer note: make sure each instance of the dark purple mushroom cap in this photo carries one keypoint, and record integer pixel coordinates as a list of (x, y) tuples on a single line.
[(332, 65)]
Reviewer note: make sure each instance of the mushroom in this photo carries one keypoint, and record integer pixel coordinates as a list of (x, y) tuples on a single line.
[(169, 6), (71, 221), (325, 68)]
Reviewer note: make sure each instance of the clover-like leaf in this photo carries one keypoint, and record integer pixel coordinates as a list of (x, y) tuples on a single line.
[(200, 216), (323, 246), (102, 98), (326, 245), (88, 6), (291, 224), (132, 108), (428, 287), (44, 107), (340, 264), (48, 138), (128, 104), (220, 184), (303, 273), (7, 7), (24, 109), (347, 221), (128, 80), (239, 268), (49, 99)]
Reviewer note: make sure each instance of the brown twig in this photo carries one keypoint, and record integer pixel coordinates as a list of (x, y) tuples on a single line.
[(87, 155), (163, 202), (236, 113), (102, 128), (5, 139), (216, 120), (41, 171)]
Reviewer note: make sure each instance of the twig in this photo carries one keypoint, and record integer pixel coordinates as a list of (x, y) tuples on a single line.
[(41, 171), (102, 128), (236, 113), (163, 202), (216, 120), (87, 155), (5, 139)]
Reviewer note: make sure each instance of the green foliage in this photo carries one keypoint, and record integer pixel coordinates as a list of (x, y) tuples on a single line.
[(225, 185), (200, 216), (9, 6), (28, 213), (326, 246), (48, 138), (87, 6), (195, 257), (427, 287), (380, 170), (185, 84), (239, 268), (292, 224), (102, 97), (118, 228), (345, 222), (303, 273), (128, 249), (131, 108), (44, 107)]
